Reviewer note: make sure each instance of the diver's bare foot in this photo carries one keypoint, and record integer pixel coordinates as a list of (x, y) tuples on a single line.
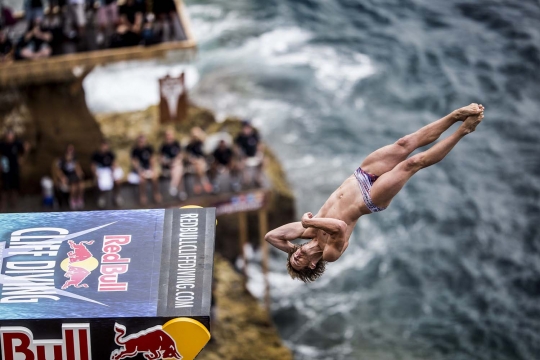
[(469, 110), (470, 124)]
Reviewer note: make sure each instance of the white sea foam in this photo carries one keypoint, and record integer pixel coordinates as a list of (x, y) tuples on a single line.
[(131, 86)]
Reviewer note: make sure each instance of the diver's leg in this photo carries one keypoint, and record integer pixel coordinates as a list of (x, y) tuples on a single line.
[(389, 184), (386, 158)]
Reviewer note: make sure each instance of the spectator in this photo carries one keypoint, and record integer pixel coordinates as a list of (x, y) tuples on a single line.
[(47, 192), (6, 16), (224, 162), (196, 158), (68, 177), (56, 5), (167, 20), (107, 173), (128, 32), (107, 16), (33, 10), (6, 47), (142, 162), (11, 149), (52, 24), (172, 166), (34, 44), (75, 17), (248, 142)]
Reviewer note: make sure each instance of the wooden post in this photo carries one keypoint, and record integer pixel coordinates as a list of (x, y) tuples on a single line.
[(263, 229), (243, 229)]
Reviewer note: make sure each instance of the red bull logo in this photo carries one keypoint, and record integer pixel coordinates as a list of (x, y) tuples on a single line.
[(153, 344), (18, 343), (79, 264)]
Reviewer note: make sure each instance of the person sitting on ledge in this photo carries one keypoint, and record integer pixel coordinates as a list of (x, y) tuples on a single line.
[(128, 32), (197, 158), (224, 162), (249, 143), (6, 47), (167, 20), (35, 43), (107, 173), (143, 165), (12, 151), (68, 177), (370, 189), (172, 165)]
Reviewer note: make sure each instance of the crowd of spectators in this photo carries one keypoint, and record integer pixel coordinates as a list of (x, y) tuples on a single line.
[(64, 26), (201, 165)]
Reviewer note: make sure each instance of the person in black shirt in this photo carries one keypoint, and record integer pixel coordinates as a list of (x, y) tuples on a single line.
[(6, 47), (11, 150), (68, 177), (224, 163), (172, 165), (196, 158), (167, 20), (128, 32), (248, 142), (142, 161), (107, 173), (35, 43)]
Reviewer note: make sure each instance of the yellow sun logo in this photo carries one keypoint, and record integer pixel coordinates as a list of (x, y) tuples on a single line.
[(89, 264)]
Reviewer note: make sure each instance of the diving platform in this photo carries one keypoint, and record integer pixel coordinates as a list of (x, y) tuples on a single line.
[(106, 284)]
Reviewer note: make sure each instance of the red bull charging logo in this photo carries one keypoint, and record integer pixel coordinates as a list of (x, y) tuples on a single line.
[(177, 339), (153, 344), (79, 264)]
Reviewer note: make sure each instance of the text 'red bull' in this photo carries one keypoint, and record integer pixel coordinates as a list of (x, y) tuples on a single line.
[(18, 343), (113, 264)]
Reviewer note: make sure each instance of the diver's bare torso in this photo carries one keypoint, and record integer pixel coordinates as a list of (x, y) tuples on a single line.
[(344, 204)]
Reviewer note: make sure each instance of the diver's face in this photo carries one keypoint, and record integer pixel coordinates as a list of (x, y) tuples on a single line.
[(299, 260)]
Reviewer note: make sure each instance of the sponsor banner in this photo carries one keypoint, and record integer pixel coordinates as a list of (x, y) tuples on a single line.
[(177, 338), (240, 203), (106, 265)]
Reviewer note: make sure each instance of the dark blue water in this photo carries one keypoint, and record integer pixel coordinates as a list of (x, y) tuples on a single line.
[(451, 270)]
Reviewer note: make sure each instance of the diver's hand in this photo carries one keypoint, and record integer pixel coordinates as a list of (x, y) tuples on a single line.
[(305, 219)]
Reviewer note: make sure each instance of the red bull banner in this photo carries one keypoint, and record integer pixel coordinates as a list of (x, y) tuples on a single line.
[(106, 284)]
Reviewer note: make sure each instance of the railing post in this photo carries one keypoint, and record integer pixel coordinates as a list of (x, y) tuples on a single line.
[(243, 229)]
